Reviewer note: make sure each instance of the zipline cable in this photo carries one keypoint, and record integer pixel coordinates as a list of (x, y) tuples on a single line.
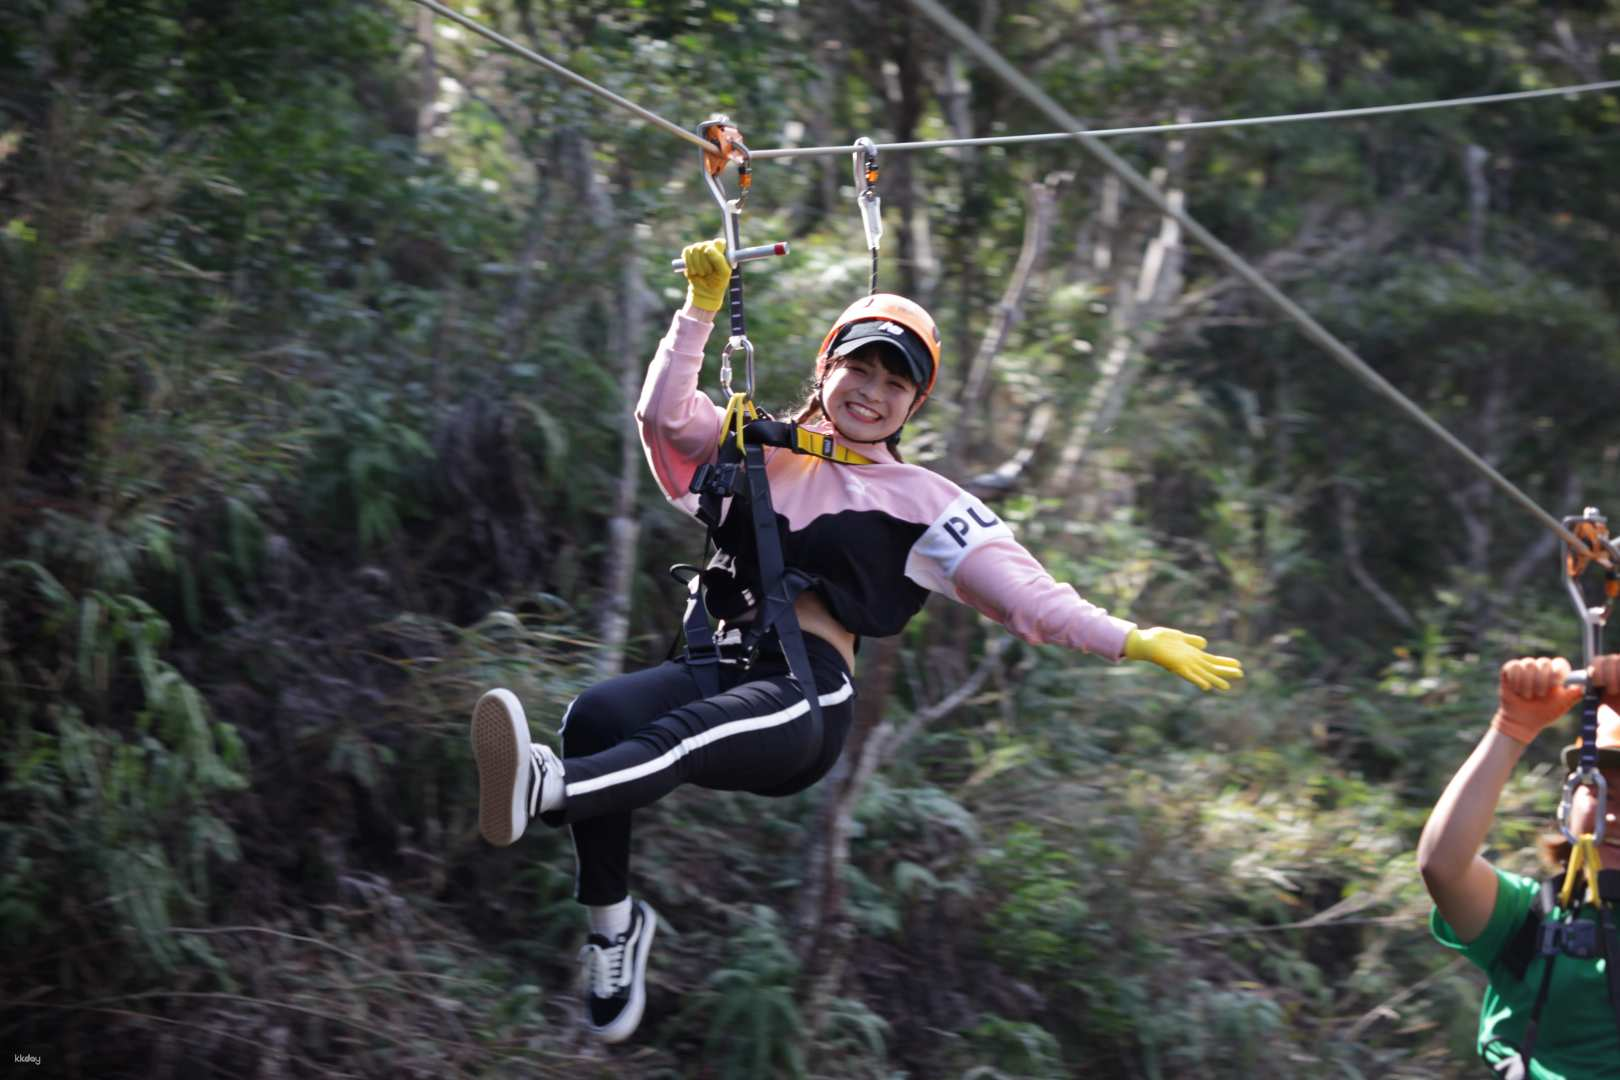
[(954, 28), (578, 80), (1196, 125), (1011, 140)]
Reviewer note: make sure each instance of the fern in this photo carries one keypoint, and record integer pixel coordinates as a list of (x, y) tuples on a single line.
[(755, 1026)]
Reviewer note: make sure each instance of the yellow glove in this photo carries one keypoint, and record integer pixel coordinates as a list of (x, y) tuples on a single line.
[(1184, 655), (707, 273)]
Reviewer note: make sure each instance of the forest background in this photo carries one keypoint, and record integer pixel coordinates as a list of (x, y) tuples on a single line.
[(319, 330)]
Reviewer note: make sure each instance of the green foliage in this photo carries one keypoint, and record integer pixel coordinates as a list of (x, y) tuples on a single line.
[(856, 1038), (363, 469), (1018, 1047), (108, 818), (749, 1002), (1039, 929), (913, 844)]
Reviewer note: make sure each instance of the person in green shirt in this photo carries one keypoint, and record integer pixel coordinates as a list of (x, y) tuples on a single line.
[(1479, 909)]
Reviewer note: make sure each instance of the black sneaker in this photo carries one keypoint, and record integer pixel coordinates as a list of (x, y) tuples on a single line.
[(513, 772), (615, 976)]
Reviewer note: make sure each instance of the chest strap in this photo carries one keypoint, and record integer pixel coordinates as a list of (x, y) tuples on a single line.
[(801, 440)]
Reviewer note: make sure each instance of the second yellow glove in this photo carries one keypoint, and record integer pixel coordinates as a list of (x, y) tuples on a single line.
[(1183, 654)]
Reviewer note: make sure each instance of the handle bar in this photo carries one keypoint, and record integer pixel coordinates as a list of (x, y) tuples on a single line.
[(747, 254)]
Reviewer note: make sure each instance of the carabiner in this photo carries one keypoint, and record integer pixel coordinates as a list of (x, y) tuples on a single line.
[(737, 341), (865, 161), (1582, 776)]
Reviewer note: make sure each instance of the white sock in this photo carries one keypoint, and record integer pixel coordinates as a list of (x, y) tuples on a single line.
[(610, 921), (552, 790)]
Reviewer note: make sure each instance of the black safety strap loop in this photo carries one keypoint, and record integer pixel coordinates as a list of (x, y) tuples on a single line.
[(716, 481)]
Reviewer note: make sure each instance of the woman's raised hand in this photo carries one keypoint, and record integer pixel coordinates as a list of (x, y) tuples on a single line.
[(1183, 654), (707, 273), (1532, 695)]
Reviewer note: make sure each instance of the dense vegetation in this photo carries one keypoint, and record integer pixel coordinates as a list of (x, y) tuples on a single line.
[(318, 329)]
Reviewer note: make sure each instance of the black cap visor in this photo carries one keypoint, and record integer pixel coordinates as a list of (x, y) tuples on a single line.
[(918, 360)]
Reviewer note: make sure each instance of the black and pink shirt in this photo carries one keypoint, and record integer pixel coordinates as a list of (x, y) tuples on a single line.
[(877, 538)]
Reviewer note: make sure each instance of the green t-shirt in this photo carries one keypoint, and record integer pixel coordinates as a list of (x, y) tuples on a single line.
[(1578, 1039)]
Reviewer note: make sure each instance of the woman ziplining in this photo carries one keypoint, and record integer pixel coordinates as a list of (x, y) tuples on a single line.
[(1550, 949), (822, 534)]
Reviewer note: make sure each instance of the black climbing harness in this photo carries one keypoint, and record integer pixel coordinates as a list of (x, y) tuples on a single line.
[(717, 590), (1554, 928)]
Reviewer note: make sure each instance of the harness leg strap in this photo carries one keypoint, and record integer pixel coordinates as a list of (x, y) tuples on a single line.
[(702, 654)]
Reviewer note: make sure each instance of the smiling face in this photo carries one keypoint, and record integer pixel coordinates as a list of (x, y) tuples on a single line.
[(865, 397)]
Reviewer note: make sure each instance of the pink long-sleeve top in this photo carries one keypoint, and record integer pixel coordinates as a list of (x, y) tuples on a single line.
[(876, 538)]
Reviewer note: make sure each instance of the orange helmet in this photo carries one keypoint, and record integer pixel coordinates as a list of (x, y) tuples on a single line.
[(896, 321)]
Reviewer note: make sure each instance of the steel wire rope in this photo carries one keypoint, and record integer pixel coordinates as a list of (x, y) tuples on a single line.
[(1195, 125), (578, 80), (955, 29)]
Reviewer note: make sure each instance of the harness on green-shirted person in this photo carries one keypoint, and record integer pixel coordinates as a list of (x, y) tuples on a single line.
[(1553, 927)]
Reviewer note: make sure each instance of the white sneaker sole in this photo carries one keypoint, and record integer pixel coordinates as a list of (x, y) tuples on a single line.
[(624, 1025), (500, 742)]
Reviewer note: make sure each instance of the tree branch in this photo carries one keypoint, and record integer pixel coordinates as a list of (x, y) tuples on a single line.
[(1037, 228), (1349, 539)]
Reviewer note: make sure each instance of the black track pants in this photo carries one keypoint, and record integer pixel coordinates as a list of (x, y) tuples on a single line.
[(630, 740)]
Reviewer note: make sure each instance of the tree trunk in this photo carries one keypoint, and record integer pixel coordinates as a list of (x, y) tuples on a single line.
[(428, 76), (824, 928), (1038, 214), (1131, 320), (624, 528)]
